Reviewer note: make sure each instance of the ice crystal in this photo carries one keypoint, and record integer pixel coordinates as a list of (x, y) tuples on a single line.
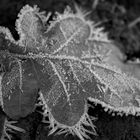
[(9, 127), (68, 63)]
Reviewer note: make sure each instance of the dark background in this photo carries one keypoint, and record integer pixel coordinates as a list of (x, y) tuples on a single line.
[(118, 17)]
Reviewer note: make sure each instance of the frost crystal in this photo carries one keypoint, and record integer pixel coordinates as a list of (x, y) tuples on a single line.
[(68, 63)]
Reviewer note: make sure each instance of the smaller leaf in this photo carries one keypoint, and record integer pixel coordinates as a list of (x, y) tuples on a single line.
[(30, 27), (19, 89)]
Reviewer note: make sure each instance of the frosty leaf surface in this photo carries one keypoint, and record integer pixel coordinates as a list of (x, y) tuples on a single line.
[(71, 61), (19, 90), (30, 28), (68, 62), (7, 43), (74, 63)]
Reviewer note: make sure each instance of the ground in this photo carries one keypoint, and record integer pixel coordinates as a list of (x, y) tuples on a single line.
[(121, 20)]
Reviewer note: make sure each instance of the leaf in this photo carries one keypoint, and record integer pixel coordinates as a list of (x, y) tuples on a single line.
[(69, 62), (30, 26), (64, 33), (19, 90), (8, 44), (75, 65), (60, 90)]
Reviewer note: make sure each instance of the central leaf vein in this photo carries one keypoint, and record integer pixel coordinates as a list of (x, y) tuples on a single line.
[(60, 79)]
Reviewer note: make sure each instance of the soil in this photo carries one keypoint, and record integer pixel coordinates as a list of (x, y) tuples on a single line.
[(121, 21)]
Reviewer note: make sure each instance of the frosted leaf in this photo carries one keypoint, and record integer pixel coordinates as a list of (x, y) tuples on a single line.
[(120, 89), (67, 66), (6, 34), (69, 62), (7, 43), (72, 67), (29, 26), (19, 90)]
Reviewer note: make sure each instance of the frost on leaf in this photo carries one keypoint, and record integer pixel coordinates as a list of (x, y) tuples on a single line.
[(8, 44), (8, 127), (67, 62), (19, 90), (30, 28)]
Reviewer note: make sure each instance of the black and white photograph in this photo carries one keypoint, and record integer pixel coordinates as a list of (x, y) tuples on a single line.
[(69, 69)]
